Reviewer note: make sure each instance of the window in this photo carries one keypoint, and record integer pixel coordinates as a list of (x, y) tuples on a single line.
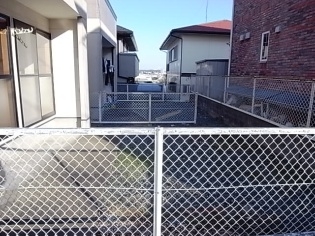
[(264, 46), (170, 56), (8, 116), (35, 73), (173, 54)]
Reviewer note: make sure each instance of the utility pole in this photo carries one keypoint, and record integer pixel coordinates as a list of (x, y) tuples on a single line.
[(207, 11)]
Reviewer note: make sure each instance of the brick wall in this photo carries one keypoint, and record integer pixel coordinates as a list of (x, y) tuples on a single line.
[(291, 52)]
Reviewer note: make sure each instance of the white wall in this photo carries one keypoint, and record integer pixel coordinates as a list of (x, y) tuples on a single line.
[(18, 11), (108, 21), (83, 72), (64, 45), (201, 47), (173, 74), (101, 19)]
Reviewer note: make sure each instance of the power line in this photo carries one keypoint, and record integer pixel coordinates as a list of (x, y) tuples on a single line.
[(207, 11)]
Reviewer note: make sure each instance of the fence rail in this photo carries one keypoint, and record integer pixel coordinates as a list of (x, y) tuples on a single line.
[(139, 107), (163, 181), (283, 101)]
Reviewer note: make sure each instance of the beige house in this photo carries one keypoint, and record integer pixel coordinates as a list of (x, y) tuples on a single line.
[(51, 60), (187, 45)]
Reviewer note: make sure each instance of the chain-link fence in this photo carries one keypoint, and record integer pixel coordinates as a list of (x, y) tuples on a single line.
[(283, 101), (143, 107), (145, 181), (71, 182)]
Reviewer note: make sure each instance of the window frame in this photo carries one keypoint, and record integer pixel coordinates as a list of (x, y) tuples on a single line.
[(173, 54), (263, 47), (10, 76), (5, 76), (38, 75), (48, 36)]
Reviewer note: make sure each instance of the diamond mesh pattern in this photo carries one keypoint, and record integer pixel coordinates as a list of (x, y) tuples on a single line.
[(105, 182), (238, 184), (285, 102), (143, 108), (83, 184)]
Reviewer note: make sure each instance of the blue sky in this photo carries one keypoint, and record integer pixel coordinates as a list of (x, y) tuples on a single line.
[(152, 20)]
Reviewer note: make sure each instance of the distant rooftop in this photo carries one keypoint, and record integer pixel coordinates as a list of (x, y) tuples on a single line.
[(222, 27), (128, 36)]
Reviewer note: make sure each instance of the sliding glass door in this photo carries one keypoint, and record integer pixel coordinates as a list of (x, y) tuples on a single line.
[(35, 73), (45, 74)]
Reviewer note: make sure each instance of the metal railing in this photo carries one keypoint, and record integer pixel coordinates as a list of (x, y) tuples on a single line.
[(153, 88), (143, 108), (162, 181), (283, 101)]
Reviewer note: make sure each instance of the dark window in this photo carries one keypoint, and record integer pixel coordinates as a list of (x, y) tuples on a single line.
[(264, 46)]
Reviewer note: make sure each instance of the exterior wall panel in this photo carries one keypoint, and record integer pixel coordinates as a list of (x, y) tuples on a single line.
[(173, 75), (199, 47), (66, 78), (22, 13)]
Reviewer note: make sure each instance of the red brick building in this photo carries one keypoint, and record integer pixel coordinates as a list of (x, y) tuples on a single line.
[(274, 38)]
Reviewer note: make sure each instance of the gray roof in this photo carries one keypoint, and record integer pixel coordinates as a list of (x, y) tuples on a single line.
[(128, 36)]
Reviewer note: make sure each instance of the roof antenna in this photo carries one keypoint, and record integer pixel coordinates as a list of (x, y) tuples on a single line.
[(207, 11)]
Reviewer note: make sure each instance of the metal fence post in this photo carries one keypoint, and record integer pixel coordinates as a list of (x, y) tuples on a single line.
[(150, 107), (226, 84), (100, 107), (196, 108), (127, 91), (311, 105), (254, 94), (209, 84), (158, 182)]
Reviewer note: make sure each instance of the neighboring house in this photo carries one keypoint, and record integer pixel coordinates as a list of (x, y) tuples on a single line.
[(273, 38), (188, 45), (102, 43), (128, 61), (51, 60)]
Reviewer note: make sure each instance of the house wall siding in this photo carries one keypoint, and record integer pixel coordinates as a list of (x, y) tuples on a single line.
[(101, 25), (22, 13), (202, 47), (291, 51), (66, 81), (173, 75)]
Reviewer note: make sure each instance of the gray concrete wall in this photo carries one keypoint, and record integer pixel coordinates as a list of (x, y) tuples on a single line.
[(231, 116)]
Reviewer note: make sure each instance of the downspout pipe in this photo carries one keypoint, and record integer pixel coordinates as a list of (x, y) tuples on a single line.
[(231, 38)]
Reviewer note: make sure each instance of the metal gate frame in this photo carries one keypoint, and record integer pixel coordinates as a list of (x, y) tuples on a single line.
[(148, 99)]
